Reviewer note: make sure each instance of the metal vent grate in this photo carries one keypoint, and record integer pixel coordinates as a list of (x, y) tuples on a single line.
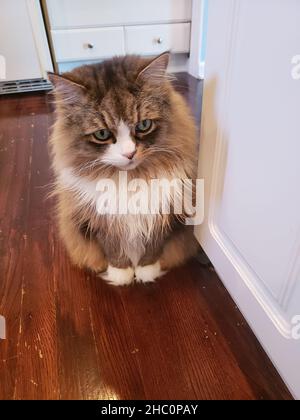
[(20, 86)]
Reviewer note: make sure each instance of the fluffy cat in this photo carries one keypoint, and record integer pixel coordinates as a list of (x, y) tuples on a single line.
[(121, 115)]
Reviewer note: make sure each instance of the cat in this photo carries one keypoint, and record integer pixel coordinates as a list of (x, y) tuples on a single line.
[(122, 114)]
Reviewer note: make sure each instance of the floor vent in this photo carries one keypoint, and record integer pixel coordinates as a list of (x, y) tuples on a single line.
[(21, 86)]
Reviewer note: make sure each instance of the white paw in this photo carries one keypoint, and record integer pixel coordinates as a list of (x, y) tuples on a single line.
[(118, 276), (148, 273)]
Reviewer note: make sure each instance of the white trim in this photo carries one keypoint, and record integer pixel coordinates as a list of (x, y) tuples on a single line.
[(201, 70), (196, 67), (292, 277), (40, 37)]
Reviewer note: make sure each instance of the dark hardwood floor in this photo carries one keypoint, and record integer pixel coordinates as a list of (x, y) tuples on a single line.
[(71, 336)]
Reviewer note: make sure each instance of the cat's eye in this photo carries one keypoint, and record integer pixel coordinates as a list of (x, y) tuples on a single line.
[(143, 126), (102, 135)]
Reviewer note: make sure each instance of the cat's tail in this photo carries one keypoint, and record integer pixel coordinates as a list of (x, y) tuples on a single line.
[(179, 248)]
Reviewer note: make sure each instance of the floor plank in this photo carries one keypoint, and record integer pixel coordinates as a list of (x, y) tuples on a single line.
[(71, 336)]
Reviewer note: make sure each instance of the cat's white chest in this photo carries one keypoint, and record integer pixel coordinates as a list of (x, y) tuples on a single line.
[(134, 230)]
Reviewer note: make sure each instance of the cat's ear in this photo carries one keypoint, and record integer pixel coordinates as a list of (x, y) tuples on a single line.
[(155, 71), (65, 90)]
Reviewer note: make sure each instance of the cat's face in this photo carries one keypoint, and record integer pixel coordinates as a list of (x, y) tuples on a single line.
[(116, 113)]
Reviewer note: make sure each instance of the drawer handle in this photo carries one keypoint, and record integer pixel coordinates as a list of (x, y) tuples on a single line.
[(90, 46), (159, 40)]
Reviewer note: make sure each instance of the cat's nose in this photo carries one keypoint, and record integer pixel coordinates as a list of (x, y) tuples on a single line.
[(129, 155)]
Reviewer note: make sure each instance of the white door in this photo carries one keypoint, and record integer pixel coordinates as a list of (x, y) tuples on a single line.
[(23, 43), (250, 160)]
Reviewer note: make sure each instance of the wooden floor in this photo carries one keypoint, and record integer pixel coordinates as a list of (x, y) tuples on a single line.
[(71, 336)]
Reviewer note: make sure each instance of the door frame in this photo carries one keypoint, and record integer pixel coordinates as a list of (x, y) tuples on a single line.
[(40, 36), (198, 38)]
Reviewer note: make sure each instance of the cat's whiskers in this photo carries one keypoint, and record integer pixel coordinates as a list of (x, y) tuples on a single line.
[(154, 150), (96, 163)]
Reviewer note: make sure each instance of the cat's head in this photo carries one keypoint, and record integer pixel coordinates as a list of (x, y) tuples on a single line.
[(117, 113)]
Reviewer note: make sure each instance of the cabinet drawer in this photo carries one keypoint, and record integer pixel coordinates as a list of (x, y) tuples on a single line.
[(88, 13), (87, 44), (154, 39)]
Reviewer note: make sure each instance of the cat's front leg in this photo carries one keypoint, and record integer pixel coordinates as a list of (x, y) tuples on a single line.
[(119, 271), (149, 267), (148, 273), (84, 251), (118, 276)]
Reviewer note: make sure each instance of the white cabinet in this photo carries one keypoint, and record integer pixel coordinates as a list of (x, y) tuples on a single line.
[(23, 42), (249, 159), (88, 44), (118, 27), (155, 39), (88, 13)]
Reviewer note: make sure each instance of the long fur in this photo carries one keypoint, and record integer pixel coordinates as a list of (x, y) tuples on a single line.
[(87, 98)]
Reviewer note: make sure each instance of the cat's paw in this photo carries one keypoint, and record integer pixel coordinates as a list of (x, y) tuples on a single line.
[(148, 273), (118, 276)]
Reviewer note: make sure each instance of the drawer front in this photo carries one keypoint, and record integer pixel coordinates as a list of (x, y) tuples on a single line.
[(87, 44), (88, 13), (155, 39)]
